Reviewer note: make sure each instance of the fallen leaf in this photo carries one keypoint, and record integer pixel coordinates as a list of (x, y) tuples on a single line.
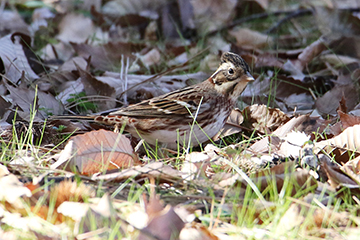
[(12, 190), (98, 151), (249, 38), (263, 118), (14, 60)]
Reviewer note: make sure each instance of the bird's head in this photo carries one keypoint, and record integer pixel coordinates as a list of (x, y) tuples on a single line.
[(232, 75)]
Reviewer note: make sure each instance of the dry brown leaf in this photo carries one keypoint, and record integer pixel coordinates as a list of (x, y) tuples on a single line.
[(13, 57), (338, 60), (4, 107), (309, 53), (11, 20), (209, 14), (336, 176), (93, 87), (283, 87), (108, 57), (56, 81), (98, 151), (163, 223), (248, 38), (342, 105), (151, 58), (348, 120), (335, 23), (263, 118), (69, 90), (45, 102), (329, 102), (264, 60), (353, 166)]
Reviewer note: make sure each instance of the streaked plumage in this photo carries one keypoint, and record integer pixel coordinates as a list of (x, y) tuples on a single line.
[(169, 118)]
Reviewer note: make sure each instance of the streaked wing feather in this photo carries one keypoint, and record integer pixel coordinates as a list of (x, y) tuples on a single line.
[(177, 103)]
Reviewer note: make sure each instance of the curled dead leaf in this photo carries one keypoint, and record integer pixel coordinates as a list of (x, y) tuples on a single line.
[(263, 118)]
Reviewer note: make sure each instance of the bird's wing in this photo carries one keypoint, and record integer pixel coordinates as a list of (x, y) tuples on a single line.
[(178, 103)]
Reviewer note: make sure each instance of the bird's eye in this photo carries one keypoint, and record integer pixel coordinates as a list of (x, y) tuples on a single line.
[(231, 71)]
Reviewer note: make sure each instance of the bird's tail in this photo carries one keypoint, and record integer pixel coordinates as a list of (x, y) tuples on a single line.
[(72, 117)]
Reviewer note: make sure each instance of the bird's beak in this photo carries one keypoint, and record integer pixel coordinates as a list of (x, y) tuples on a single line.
[(249, 77)]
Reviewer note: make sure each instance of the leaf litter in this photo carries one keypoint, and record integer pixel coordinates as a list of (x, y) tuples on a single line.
[(292, 147)]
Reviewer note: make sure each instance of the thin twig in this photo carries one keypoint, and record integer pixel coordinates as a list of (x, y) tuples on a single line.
[(297, 13)]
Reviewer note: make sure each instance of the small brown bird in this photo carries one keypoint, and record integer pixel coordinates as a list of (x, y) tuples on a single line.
[(193, 114)]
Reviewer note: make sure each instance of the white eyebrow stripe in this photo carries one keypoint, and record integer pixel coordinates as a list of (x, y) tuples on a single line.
[(223, 66)]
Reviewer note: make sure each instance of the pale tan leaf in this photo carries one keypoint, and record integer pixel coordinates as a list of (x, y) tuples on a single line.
[(120, 8), (281, 175), (12, 190), (195, 165), (151, 58), (263, 118), (338, 60), (99, 213), (209, 14), (303, 123), (56, 81), (3, 170), (349, 140), (76, 28), (291, 219), (249, 38), (195, 231)]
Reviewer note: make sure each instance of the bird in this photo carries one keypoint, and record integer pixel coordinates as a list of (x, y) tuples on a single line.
[(185, 117)]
